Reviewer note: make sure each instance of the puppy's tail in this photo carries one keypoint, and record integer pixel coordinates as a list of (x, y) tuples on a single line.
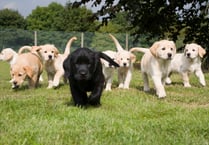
[(139, 49), (68, 46), (107, 58), (29, 48), (117, 44)]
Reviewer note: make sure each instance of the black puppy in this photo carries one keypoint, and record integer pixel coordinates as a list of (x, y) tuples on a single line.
[(83, 69)]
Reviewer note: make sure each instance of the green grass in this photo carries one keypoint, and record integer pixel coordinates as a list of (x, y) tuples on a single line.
[(47, 117)]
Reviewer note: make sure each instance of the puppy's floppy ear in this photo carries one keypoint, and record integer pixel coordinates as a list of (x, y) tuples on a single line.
[(153, 48), (201, 51), (56, 51), (28, 71), (185, 49), (133, 57), (96, 62), (174, 46), (36, 48), (107, 58)]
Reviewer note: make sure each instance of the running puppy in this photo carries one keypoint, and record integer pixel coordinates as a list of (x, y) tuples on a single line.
[(53, 61), (27, 66), (9, 55), (83, 69), (108, 69), (155, 63), (125, 60), (188, 62)]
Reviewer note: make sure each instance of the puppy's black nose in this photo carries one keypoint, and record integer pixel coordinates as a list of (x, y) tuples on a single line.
[(82, 72), (188, 54), (124, 64), (50, 56), (169, 55), (15, 82)]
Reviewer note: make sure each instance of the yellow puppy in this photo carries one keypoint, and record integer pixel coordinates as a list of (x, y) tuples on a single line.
[(27, 66), (9, 55), (125, 59), (188, 62), (155, 63), (53, 61)]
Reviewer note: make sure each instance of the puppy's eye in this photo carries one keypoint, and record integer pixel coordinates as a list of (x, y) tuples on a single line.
[(128, 58), (121, 58), (52, 51), (193, 50), (186, 50), (45, 51), (19, 75), (172, 49), (163, 48)]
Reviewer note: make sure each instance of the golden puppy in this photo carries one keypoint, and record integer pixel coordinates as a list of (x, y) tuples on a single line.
[(125, 60), (27, 66), (53, 61), (9, 55), (155, 63), (188, 62), (108, 69)]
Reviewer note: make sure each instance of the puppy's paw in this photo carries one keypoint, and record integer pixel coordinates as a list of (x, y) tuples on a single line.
[(146, 89), (94, 102), (55, 84), (168, 81), (187, 85), (161, 95), (203, 83), (49, 87), (107, 89), (120, 86), (82, 106), (126, 87)]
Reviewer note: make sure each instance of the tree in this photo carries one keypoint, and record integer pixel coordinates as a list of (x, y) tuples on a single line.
[(45, 18), (12, 26), (162, 18), (11, 19), (78, 19)]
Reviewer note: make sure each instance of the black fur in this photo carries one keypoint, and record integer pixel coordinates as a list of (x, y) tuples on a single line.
[(83, 69)]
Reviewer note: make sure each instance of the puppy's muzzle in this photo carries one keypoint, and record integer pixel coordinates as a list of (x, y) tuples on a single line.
[(82, 73), (188, 55), (50, 56), (169, 55), (14, 85), (124, 64)]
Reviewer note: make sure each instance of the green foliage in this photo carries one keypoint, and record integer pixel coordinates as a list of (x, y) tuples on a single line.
[(44, 116), (15, 38), (161, 18), (55, 17), (102, 42), (45, 18), (78, 19), (11, 19)]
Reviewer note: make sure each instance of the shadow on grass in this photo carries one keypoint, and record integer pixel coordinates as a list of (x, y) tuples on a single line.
[(151, 91)]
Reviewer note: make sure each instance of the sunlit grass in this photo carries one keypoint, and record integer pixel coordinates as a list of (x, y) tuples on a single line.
[(42, 116)]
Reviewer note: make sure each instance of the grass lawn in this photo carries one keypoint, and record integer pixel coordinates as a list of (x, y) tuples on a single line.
[(126, 117)]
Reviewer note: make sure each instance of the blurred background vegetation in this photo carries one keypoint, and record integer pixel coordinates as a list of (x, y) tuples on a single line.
[(134, 23)]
